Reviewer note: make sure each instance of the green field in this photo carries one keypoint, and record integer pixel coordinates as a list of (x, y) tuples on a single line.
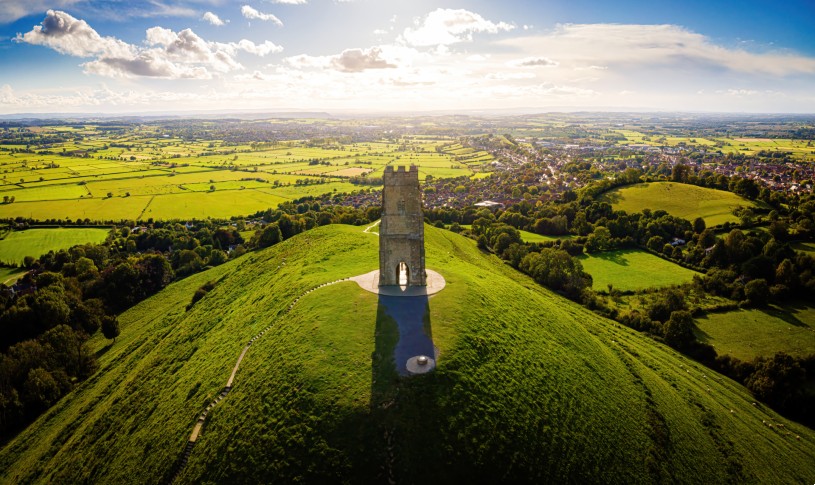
[(800, 149), (10, 275), (680, 200), (138, 172), (633, 269), (532, 388), (531, 237), (747, 334), (36, 242)]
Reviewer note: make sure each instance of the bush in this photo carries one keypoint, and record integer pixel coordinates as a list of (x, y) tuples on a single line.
[(757, 292)]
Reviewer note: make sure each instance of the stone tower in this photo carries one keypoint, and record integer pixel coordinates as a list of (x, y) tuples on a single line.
[(401, 232)]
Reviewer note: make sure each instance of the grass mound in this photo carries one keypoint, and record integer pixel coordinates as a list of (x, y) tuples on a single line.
[(529, 386), (680, 200)]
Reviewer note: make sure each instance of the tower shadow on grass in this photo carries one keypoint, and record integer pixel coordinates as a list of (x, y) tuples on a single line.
[(403, 330), (400, 401)]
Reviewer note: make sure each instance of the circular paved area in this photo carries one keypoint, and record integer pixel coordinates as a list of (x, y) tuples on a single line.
[(370, 282), (414, 367)]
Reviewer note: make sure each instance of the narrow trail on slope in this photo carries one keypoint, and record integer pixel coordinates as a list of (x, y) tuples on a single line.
[(199, 425), (368, 229)]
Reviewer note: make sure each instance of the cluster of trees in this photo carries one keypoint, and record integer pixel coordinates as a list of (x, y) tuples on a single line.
[(47, 317), (292, 218), (554, 266)]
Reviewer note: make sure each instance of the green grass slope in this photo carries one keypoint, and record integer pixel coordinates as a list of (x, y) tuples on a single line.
[(529, 386), (680, 200)]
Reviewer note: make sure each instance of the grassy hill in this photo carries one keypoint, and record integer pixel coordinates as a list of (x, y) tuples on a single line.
[(680, 200), (529, 386)]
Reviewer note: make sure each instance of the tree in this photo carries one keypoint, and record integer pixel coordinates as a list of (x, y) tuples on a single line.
[(270, 236), (110, 328), (778, 230), (665, 304), (40, 390), (655, 243), (757, 292), (679, 329), (680, 172), (699, 225), (217, 257), (746, 188), (785, 274), (598, 240), (776, 380)]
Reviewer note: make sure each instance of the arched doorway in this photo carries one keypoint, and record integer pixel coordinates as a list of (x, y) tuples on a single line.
[(402, 273)]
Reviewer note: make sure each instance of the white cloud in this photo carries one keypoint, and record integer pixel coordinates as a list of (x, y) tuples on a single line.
[(155, 8), (264, 49), (380, 32), (534, 62), (357, 60), (68, 35), (449, 26), (213, 19), (563, 91), (99, 98), (651, 46), (148, 64), (739, 92), (305, 61), (12, 10), (350, 60), (252, 14), (291, 2), (168, 54), (506, 76)]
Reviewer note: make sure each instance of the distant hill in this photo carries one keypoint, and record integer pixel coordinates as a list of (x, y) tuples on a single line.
[(529, 387), (679, 200)]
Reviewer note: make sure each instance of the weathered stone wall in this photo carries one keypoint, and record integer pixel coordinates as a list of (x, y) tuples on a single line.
[(401, 232)]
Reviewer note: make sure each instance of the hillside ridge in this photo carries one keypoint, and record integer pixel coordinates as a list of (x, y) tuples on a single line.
[(529, 386)]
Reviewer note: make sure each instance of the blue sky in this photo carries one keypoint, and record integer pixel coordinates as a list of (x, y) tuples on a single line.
[(378, 55)]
